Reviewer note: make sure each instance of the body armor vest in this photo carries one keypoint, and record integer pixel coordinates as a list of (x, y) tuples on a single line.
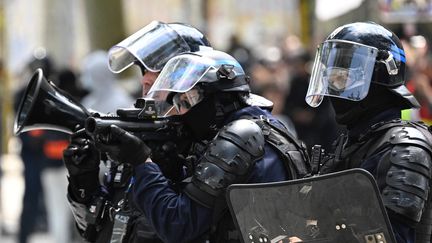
[(292, 153), (403, 171)]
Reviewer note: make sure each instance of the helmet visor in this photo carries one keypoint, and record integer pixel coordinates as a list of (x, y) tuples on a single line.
[(152, 46), (341, 69), (182, 73), (183, 102)]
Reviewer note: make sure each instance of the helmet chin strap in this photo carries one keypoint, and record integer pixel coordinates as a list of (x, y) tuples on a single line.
[(348, 116), (351, 113), (224, 105), (205, 118)]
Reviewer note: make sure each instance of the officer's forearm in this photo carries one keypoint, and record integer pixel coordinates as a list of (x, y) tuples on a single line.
[(174, 216)]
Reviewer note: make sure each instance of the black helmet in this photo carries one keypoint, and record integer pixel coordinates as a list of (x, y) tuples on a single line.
[(208, 72), (204, 87), (152, 46), (211, 70), (193, 37), (352, 57)]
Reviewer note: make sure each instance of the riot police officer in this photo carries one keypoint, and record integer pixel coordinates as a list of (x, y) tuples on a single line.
[(235, 140), (96, 204), (361, 68)]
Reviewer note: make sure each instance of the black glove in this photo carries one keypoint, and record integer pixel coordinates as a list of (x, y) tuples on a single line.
[(82, 160), (124, 147)]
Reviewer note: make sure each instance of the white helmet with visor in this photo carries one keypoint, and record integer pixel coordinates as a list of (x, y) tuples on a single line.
[(153, 45)]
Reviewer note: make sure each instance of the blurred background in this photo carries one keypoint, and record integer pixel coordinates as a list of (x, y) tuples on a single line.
[(274, 40)]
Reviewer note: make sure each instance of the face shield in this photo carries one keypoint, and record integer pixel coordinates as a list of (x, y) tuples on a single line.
[(151, 46), (180, 75), (183, 72), (341, 69), (183, 102)]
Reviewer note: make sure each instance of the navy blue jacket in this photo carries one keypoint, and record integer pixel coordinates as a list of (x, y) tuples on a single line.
[(177, 218)]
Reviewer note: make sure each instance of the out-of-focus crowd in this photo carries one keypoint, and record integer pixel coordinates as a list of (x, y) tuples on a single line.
[(279, 73), (419, 76)]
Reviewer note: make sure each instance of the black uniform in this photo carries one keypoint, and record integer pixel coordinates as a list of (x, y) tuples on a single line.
[(398, 153), (104, 211), (242, 143), (361, 67)]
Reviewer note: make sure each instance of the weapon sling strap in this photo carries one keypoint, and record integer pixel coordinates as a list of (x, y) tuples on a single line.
[(292, 152)]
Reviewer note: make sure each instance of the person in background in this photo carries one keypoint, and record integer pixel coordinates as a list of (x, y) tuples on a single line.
[(361, 68), (419, 77), (276, 93), (308, 121), (106, 95), (54, 172), (33, 214), (240, 52)]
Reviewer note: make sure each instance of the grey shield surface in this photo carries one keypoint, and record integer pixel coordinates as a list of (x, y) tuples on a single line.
[(343, 207)]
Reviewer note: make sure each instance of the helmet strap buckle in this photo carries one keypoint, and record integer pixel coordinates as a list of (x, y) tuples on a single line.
[(390, 63), (226, 71)]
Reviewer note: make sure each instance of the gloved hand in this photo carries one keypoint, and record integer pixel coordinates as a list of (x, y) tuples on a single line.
[(82, 160), (81, 156), (124, 147)]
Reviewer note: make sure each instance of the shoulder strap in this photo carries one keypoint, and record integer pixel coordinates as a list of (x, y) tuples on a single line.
[(414, 132), (292, 151), (426, 130), (351, 156)]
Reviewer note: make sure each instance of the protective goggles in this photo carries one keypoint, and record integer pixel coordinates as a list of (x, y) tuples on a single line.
[(152, 46), (341, 69), (183, 102)]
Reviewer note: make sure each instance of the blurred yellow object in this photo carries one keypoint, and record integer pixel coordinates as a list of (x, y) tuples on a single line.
[(427, 121), (406, 114)]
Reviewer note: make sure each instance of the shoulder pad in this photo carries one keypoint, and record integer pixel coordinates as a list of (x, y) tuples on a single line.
[(407, 135), (228, 159), (412, 158), (246, 134), (405, 175)]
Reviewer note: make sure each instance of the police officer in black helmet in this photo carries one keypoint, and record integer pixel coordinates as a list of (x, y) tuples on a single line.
[(235, 140), (104, 212), (361, 68)]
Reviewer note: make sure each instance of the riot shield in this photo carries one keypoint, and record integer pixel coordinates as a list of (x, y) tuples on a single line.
[(342, 207)]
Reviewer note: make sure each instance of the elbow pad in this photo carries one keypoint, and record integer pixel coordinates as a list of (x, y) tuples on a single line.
[(228, 159)]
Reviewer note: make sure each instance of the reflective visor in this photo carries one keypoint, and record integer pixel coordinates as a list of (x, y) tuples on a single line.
[(181, 73), (341, 69), (152, 46), (183, 102)]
